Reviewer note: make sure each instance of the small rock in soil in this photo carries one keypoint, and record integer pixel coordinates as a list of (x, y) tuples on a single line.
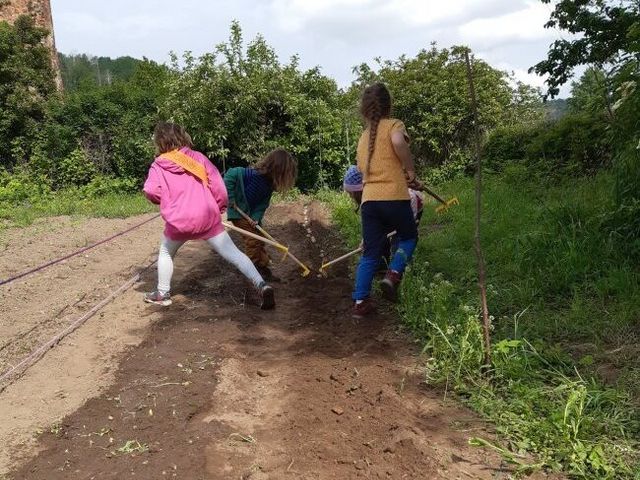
[(262, 373), (337, 410)]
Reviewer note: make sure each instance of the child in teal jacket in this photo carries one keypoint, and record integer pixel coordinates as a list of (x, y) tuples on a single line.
[(250, 190)]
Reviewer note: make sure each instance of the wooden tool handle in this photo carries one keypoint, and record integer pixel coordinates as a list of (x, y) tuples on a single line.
[(252, 221), (305, 269), (242, 231)]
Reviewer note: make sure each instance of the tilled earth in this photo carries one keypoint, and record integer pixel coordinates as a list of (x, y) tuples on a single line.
[(215, 388)]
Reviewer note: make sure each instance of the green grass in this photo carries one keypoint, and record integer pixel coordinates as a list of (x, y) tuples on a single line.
[(565, 300), (548, 256), (71, 203)]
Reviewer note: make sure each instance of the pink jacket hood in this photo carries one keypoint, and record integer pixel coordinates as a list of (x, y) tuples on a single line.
[(169, 166)]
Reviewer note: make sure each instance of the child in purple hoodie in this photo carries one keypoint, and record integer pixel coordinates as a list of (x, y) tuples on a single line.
[(192, 198)]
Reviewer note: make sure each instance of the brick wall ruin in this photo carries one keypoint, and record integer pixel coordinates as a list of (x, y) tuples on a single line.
[(40, 10)]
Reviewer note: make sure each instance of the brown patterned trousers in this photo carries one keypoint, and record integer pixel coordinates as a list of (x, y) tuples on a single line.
[(254, 249)]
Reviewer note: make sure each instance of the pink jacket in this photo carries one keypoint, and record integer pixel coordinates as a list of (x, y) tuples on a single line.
[(190, 209)]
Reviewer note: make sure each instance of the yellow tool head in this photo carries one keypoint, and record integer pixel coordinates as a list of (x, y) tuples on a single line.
[(447, 204), (323, 271), (306, 272)]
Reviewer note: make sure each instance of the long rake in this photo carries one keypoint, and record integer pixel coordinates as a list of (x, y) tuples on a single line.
[(445, 204), (305, 270), (323, 268)]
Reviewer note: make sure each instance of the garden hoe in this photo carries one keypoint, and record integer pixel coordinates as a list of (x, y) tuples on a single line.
[(305, 270), (323, 268), (453, 201), (445, 203)]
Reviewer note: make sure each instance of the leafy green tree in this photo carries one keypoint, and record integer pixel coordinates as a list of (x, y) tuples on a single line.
[(26, 83), (80, 71), (431, 96), (605, 33), (239, 102), (111, 125), (592, 93)]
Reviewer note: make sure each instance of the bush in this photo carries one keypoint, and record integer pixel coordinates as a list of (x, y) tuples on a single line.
[(459, 163), (577, 144), (21, 186), (507, 145), (623, 220), (101, 186), (75, 170), (100, 130), (26, 81)]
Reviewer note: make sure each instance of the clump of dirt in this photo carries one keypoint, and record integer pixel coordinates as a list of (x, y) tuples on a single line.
[(220, 389)]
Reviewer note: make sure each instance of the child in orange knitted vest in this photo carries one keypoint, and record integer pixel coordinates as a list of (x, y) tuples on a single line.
[(386, 163)]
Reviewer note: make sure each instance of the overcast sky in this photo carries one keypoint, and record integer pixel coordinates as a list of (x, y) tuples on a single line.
[(334, 34)]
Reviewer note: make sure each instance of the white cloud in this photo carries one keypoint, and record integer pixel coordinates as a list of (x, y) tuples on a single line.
[(298, 14), (132, 27), (335, 34), (525, 24)]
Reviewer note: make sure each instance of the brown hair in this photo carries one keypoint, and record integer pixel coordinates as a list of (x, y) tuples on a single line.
[(357, 198), (281, 168), (374, 106), (169, 136)]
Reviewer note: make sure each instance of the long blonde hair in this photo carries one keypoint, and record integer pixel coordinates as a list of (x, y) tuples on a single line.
[(281, 168)]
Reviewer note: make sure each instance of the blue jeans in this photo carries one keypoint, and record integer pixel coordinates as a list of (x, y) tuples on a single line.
[(378, 219)]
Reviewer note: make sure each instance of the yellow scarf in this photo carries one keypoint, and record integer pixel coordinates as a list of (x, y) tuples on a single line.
[(189, 164)]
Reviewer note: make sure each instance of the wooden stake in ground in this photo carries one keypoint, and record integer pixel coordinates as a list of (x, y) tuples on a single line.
[(482, 275)]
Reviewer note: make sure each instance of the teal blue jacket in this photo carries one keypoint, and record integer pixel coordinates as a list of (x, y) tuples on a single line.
[(234, 181)]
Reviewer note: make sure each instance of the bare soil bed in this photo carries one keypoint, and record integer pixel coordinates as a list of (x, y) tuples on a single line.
[(212, 387)]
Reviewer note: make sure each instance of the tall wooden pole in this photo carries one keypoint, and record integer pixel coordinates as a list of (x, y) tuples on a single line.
[(482, 275)]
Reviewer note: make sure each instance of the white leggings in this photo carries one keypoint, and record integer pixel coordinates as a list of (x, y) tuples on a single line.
[(222, 244)]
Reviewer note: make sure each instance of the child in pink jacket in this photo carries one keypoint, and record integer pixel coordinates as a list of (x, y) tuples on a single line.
[(192, 198)]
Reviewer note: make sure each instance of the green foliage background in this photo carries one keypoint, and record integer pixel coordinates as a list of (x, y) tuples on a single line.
[(238, 102)]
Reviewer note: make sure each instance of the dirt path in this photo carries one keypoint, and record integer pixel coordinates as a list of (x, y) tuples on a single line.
[(35, 308), (220, 390)]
